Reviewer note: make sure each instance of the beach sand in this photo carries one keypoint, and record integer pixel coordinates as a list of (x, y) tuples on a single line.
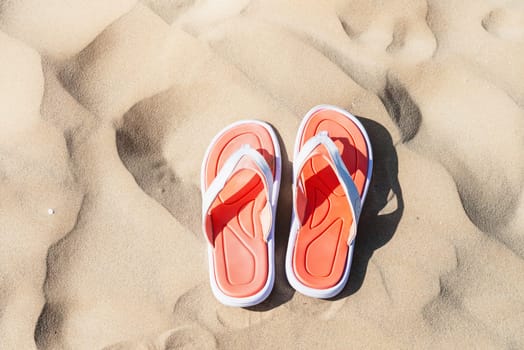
[(107, 107)]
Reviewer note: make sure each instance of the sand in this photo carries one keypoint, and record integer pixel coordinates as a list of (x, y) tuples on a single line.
[(106, 109)]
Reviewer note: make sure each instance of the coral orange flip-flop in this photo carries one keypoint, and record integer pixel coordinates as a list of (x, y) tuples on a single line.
[(332, 168), (240, 182)]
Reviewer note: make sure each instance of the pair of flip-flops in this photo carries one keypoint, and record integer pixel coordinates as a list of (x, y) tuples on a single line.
[(240, 178)]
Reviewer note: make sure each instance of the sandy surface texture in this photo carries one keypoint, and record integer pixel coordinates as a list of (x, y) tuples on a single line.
[(107, 107)]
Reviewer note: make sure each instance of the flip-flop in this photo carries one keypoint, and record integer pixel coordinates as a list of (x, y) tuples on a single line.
[(240, 181), (332, 169)]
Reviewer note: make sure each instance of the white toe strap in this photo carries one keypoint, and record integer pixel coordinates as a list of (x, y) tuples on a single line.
[(343, 175), (258, 164)]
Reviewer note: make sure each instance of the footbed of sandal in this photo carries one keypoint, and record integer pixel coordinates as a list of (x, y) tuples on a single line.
[(332, 170), (240, 184)]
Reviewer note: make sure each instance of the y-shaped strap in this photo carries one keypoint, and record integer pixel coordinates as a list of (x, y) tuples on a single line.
[(343, 175), (259, 165)]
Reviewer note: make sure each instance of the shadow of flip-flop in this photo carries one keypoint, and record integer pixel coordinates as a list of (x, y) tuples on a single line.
[(375, 229)]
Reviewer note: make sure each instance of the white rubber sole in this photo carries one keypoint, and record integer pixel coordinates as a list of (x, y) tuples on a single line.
[(266, 290), (290, 273)]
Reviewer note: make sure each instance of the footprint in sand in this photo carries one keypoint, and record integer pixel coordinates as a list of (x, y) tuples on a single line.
[(401, 37), (506, 23), (140, 141)]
